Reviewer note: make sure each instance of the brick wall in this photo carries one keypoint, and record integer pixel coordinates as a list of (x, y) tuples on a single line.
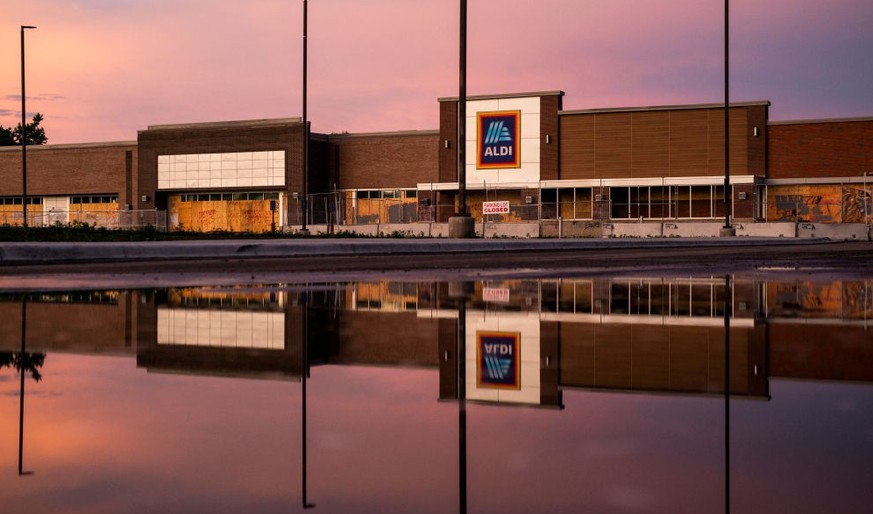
[(376, 161), (820, 149), (448, 157), (56, 170)]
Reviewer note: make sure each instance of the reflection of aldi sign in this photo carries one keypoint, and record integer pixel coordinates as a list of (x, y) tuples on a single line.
[(498, 360), (498, 136)]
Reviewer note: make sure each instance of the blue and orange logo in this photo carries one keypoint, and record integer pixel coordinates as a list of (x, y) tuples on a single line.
[(498, 360), (498, 136)]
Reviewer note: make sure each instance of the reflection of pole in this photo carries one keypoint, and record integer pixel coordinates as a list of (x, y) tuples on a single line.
[(303, 376), (21, 359), (462, 405), (727, 393)]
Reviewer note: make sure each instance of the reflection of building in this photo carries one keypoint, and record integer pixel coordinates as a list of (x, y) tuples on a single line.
[(630, 334), (224, 332), (578, 170), (78, 322)]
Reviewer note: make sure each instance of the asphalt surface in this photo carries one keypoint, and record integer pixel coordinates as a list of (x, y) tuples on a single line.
[(68, 266)]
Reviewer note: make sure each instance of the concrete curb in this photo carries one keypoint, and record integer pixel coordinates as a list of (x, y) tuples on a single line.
[(64, 253)]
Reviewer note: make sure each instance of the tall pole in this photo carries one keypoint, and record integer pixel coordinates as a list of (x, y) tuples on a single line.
[(305, 120), (23, 131), (727, 126), (462, 115)]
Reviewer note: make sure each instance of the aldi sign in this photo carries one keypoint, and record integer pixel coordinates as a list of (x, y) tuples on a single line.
[(498, 360), (498, 135)]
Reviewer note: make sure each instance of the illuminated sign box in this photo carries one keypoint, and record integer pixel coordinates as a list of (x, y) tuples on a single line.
[(497, 357), (497, 138)]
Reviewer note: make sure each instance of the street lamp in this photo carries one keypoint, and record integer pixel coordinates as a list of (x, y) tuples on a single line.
[(23, 131), (462, 113), (727, 230), (461, 224), (305, 122)]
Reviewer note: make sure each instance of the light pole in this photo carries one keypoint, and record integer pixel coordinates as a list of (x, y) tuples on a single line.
[(462, 113), (727, 230), (461, 224), (305, 121), (23, 131)]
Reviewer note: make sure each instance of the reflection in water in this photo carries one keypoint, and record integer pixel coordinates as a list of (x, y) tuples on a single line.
[(726, 310), (304, 297), (25, 363), (486, 344)]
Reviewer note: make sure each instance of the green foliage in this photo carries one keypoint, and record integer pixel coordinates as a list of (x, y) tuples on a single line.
[(35, 133), (7, 137), (77, 231)]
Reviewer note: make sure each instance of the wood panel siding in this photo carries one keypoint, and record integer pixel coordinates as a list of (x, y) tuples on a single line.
[(689, 139), (577, 147), (651, 144), (646, 143), (739, 142), (613, 139)]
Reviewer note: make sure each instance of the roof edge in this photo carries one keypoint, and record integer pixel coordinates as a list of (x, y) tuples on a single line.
[(398, 133), (556, 92), (821, 120), (68, 146), (686, 107), (267, 122)]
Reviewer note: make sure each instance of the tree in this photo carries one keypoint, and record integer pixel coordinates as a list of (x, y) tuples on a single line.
[(6, 136), (35, 133)]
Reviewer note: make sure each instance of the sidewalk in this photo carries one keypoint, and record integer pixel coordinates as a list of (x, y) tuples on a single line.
[(66, 253)]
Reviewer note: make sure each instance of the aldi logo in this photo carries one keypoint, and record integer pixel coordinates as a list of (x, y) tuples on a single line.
[(498, 136), (498, 360)]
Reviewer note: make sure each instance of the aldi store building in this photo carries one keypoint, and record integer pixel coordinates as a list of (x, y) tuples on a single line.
[(537, 170)]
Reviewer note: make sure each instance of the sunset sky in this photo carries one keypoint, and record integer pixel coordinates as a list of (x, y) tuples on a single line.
[(99, 70)]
